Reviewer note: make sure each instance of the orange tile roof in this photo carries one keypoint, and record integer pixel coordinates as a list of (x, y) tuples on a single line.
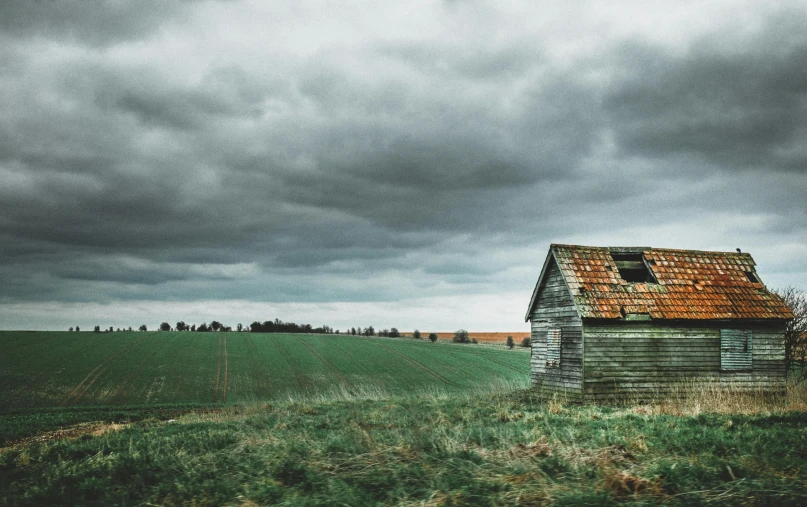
[(691, 285)]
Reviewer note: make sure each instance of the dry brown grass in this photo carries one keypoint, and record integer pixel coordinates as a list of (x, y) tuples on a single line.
[(695, 398), (74, 431)]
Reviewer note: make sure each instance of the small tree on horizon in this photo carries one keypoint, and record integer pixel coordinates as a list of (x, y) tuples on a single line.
[(143, 327), (510, 342), (525, 342), (461, 336), (165, 326), (416, 334), (432, 337)]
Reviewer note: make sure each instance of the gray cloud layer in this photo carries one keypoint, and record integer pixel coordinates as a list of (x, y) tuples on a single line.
[(226, 150)]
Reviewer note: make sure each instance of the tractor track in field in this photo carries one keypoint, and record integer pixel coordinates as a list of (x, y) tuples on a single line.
[(222, 378), (122, 386), (341, 377), (138, 372), (303, 382), (83, 386), (359, 364), (218, 373), (514, 368), (258, 368), (418, 364), (34, 380), (226, 371), (183, 366)]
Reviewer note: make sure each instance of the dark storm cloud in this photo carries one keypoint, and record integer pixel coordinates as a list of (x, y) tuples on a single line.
[(225, 93), (180, 151), (737, 107), (98, 22)]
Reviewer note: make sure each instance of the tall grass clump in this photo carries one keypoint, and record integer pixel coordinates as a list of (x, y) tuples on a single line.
[(694, 397)]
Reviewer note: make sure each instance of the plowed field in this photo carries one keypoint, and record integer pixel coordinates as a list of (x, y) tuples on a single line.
[(47, 369)]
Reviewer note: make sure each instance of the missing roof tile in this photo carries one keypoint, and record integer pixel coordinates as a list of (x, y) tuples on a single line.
[(752, 277), (632, 268)]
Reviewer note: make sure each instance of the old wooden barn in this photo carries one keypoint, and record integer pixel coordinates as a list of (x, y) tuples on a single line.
[(632, 322)]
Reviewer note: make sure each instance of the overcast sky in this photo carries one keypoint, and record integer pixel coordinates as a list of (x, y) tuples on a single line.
[(397, 164)]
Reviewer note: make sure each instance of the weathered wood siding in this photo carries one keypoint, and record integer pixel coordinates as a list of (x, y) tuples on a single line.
[(555, 309), (642, 360), (736, 349)]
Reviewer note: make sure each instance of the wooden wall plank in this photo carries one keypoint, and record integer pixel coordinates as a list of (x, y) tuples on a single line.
[(623, 360)]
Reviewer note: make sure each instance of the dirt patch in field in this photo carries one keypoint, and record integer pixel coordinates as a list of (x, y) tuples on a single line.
[(75, 431)]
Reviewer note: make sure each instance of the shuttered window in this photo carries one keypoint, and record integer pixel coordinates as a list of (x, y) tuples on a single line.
[(735, 349), (553, 348)]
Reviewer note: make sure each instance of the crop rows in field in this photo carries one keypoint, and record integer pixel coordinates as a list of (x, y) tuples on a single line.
[(48, 369)]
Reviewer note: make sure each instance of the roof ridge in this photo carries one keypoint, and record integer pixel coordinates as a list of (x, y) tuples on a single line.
[(653, 248)]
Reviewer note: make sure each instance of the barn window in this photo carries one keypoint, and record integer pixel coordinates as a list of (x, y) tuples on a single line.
[(632, 268), (553, 348), (735, 349)]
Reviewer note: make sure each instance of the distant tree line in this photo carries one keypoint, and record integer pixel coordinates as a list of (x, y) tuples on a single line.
[(370, 331), (278, 326)]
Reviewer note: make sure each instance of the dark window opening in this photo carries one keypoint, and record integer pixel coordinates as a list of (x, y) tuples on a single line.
[(751, 277), (632, 268)]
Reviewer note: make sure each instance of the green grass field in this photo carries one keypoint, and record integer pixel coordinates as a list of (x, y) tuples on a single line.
[(250, 419), (505, 448), (61, 369)]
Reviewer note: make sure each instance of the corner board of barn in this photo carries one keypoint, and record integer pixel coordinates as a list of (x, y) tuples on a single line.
[(624, 323)]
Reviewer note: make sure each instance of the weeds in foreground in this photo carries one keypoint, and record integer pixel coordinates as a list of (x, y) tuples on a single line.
[(361, 448)]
